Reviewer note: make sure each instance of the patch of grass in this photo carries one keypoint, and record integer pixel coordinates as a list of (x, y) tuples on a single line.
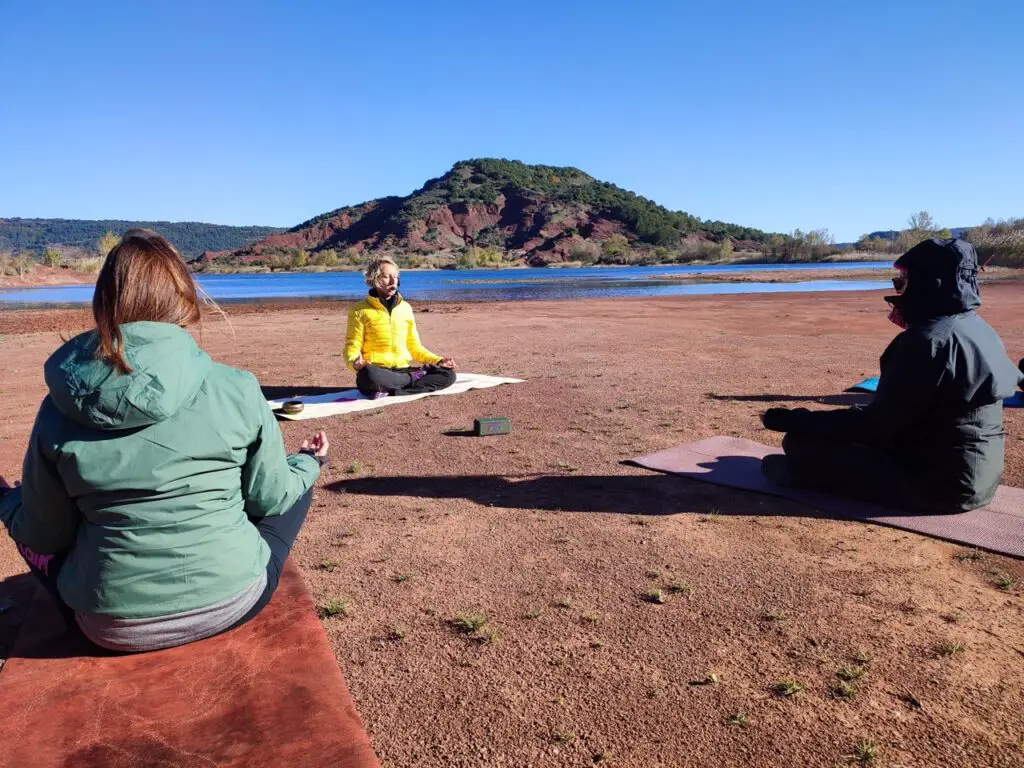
[(714, 516), (851, 673), (844, 691), (467, 623), (535, 613), (653, 596), (787, 688), (773, 616), (950, 618), (602, 757), (969, 555), (354, 468), (863, 656), (334, 608), (596, 644), (563, 602), (567, 466), (652, 574), (680, 588), (1002, 581), (591, 617), (738, 720), (950, 648), (485, 636), (400, 578), (642, 522), (865, 752), (711, 678), (565, 739), (397, 634), (329, 565)]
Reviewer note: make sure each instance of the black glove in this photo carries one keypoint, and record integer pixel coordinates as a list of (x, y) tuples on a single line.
[(777, 419)]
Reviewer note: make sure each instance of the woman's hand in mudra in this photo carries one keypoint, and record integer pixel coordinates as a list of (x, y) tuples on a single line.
[(447, 362), (317, 446), (359, 363)]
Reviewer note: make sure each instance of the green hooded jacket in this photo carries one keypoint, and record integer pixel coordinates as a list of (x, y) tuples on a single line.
[(148, 479)]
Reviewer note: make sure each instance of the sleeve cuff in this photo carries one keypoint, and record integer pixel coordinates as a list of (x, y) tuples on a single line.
[(321, 460)]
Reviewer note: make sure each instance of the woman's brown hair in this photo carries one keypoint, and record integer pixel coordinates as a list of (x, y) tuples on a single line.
[(143, 278)]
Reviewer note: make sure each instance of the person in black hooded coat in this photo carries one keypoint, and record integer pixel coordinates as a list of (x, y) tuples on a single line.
[(932, 438)]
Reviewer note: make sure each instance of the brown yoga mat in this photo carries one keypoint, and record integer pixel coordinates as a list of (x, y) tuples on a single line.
[(267, 693), (736, 463)]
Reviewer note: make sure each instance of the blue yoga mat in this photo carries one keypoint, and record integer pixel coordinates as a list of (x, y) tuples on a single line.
[(868, 385), (871, 384)]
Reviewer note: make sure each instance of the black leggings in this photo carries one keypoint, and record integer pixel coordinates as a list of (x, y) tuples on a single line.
[(865, 472), (279, 531), (372, 379)]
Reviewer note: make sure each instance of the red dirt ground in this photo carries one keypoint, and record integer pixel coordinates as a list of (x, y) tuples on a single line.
[(551, 538)]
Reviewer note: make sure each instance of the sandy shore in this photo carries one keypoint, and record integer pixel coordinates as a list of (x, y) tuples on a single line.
[(551, 538), (42, 276)]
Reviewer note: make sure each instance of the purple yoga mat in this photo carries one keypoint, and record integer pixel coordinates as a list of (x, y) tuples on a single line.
[(736, 463)]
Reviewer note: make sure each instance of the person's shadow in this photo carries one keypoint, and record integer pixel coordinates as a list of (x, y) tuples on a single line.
[(274, 392), (648, 494), (845, 398)]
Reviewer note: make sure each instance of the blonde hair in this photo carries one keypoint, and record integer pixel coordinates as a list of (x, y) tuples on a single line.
[(374, 268)]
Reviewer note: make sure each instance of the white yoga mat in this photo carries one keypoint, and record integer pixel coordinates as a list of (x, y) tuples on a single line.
[(351, 400)]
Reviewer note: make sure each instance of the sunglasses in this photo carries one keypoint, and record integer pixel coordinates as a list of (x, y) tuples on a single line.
[(900, 283)]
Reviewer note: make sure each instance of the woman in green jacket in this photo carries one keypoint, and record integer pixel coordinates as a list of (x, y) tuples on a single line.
[(156, 503)]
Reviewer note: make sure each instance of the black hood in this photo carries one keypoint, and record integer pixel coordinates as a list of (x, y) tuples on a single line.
[(942, 279)]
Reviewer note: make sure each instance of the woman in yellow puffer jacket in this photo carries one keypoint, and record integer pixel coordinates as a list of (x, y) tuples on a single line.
[(382, 342)]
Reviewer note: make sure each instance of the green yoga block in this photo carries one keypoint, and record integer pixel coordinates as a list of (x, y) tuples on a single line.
[(498, 425)]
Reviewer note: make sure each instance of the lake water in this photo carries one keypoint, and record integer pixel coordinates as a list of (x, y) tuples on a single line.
[(490, 284)]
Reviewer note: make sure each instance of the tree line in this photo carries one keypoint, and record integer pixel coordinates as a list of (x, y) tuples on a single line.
[(191, 238), (999, 243)]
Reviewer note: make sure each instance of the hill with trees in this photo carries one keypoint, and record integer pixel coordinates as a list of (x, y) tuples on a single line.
[(82, 235), (488, 212)]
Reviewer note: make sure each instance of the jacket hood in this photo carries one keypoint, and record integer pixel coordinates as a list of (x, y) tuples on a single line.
[(942, 279), (168, 369)]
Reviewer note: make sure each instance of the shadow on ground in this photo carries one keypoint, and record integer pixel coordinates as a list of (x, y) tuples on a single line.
[(653, 494), (273, 392), (845, 398)]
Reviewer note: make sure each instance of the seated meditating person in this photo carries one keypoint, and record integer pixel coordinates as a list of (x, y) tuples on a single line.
[(932, 438), (382, 342), (157, 504)]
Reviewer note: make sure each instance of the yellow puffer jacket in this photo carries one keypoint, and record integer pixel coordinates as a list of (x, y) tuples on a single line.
[(387, 339)]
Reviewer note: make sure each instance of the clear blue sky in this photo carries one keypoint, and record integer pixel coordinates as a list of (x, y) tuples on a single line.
[(839, 114)]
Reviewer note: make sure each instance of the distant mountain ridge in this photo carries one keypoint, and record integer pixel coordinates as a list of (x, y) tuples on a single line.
[(535, 213), (190, 237)]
